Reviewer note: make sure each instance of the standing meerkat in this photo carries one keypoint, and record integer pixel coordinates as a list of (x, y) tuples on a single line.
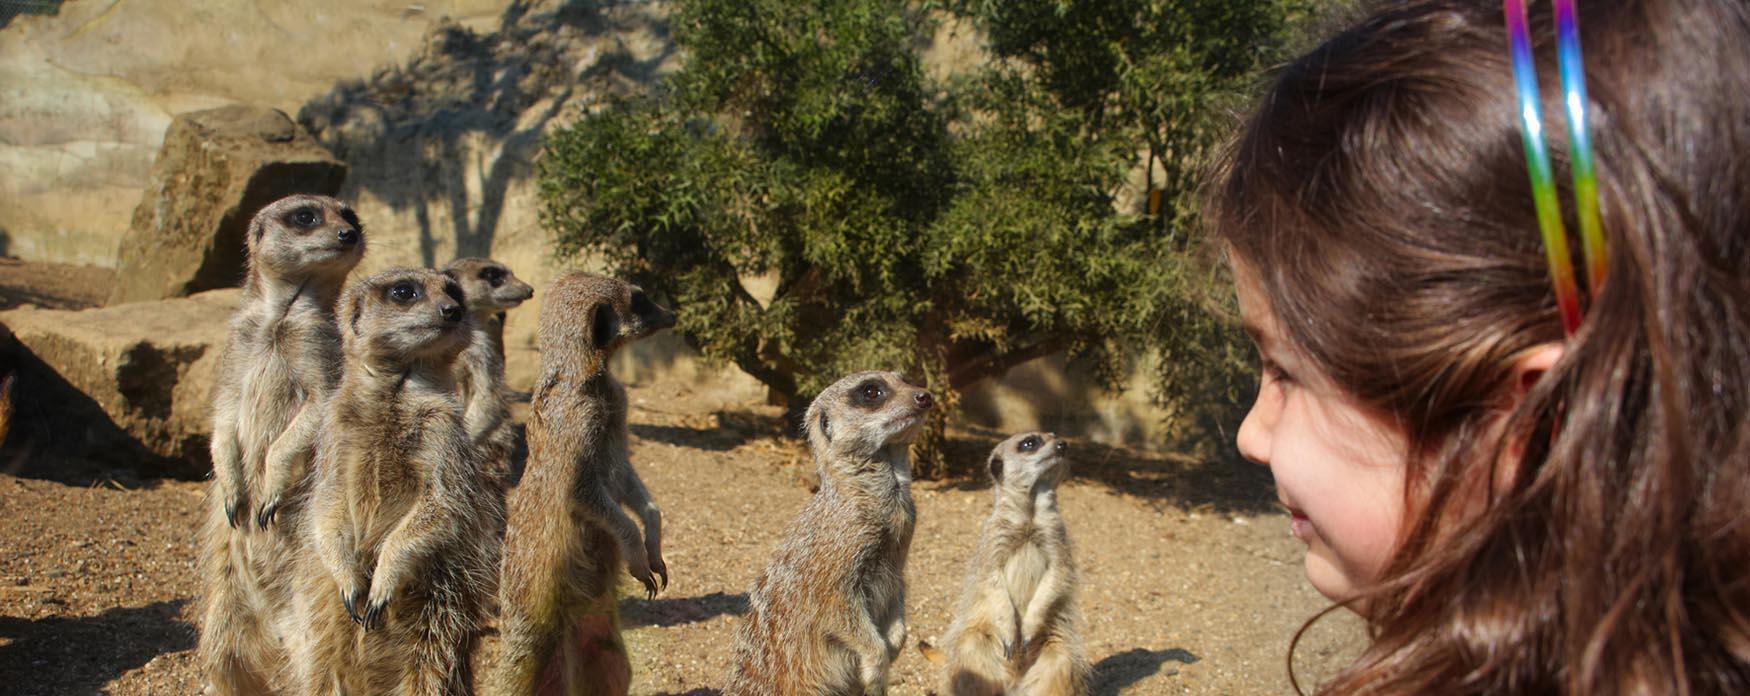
[(1017, 628), (489, 289), (403, 525), (828, 613), (566, 532), (281, 357)]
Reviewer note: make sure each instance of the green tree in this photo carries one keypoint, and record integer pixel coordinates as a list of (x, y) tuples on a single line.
[(952, 231)]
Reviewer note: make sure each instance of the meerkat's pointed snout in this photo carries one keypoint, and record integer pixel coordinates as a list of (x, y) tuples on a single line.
[(347, 236), (924, 400)]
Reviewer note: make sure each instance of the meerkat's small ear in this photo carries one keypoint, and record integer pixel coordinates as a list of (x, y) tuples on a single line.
[(604, 325), (825, 427), (256, 228), (451, 274), (353, 311), (996, 467)]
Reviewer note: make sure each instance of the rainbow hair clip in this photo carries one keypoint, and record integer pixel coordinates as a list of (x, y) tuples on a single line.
[(1543, 190)]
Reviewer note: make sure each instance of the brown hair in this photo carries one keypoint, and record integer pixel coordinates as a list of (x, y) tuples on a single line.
[(1380, 192)]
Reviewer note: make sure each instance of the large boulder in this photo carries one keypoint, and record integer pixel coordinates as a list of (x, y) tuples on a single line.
[(128, 387), (215, 170)]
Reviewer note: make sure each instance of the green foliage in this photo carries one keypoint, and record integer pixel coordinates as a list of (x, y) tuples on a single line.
[(951, 231)]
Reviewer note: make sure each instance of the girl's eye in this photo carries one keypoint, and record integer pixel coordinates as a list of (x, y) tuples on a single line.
[(1273, 372)]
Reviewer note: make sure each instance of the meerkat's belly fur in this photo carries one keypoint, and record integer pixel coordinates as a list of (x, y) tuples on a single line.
[(416, 474), (1017, 628), (802, 623), (247, 602)]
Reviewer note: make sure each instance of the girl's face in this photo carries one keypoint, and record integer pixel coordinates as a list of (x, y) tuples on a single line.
[(1339, 467)]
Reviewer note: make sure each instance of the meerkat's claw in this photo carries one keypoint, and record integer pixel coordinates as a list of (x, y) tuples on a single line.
[(661, 570), (373, 617), (649, 587), (351, 601), (234, 510), (264, 516)]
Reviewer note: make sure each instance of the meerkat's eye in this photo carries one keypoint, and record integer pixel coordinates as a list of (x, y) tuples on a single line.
[(1030, 443), (493, 276), (305, 217), (404, 292), (869, 394), (641, 305)]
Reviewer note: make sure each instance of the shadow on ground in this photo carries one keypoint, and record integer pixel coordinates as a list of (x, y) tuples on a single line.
[(1118, 672), (678, 611), (79, 655), (727, 430)]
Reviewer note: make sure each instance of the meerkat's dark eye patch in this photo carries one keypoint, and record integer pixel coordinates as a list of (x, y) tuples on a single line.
[(352, 218), (305, 217), (1030, 443), (493, 275), (454, 290), (996, 467), (869, 394), (404, 292), (603, 325), (641, 304)]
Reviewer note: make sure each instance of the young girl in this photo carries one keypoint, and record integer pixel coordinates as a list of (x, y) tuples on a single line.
[(1510, 509)]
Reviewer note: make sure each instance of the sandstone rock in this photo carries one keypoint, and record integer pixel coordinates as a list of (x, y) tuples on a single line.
[(215, 170), (125, 386)]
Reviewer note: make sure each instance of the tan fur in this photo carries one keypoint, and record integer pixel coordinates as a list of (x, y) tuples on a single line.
[(6, 404), (403, 525), (280, 360), (489, 289), (567, 533), (828, 613), (1017, 628)]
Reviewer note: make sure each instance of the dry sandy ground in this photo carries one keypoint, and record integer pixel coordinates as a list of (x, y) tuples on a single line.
[(1190, 582)]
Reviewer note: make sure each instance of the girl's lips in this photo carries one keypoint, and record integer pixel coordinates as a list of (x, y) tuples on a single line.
[(1298, 524)]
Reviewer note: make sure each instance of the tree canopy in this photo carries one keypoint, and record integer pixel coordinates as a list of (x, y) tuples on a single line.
[(1038, 204)]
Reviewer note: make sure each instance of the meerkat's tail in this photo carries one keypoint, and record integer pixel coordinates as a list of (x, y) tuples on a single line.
[(931, 653)]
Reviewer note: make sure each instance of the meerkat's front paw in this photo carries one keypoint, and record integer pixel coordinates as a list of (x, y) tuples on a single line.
[(660, 568), (638, 566), (236, 506), (264, 514), (649, 584), (377, 604), (352, 599)]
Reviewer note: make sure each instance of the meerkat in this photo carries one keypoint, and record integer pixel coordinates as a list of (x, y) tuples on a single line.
[(566, 532), (402, 523), (828, 613), (489, 289), (1017, 629), (280, 358)]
